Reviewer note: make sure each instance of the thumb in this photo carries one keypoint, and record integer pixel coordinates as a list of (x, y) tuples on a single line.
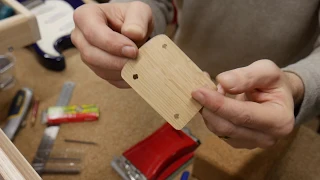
[(138, 22), (262, 74)]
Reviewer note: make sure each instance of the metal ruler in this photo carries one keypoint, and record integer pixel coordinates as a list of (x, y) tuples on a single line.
[(51, 132)]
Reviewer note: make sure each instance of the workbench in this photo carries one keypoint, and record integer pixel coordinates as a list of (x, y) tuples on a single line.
[(125, 118)]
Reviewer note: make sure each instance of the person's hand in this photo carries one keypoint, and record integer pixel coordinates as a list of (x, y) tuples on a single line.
[(107, 35), (262, 111)]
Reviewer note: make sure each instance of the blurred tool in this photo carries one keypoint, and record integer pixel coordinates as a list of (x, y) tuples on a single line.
[(29, 4), (80, 142), (5, 11), (35, 109), (6, 68), (61, 161), (71, 114), (185, 175), (51, 132), (17, 112), (160, 156)]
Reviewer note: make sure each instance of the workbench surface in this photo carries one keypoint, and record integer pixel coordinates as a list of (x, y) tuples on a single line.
[(125, 117)]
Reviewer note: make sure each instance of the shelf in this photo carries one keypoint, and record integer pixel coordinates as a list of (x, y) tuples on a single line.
[(19, 30)]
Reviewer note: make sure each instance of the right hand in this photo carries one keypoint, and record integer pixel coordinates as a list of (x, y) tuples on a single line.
[(107, 35)]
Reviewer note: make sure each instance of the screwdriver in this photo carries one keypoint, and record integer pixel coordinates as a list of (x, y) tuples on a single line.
[(17, 112)]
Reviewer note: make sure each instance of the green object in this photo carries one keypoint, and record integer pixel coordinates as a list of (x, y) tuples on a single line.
[(5, 11)]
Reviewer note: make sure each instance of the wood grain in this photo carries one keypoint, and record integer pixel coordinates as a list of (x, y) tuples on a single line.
[(165, 77), (12, 164), (19, 30)]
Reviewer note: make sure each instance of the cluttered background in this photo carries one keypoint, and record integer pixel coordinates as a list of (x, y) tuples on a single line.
[(65, 120), (70, 124)]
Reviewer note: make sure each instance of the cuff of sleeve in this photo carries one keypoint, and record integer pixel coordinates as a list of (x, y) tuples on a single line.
[(309, 75)]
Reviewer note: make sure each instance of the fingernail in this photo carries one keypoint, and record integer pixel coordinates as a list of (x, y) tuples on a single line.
[(133, 31), (198, 96), (220, 89), (129, 52), (228, 79)]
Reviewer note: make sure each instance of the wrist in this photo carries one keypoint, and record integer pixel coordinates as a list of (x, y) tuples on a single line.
[(297, 87)]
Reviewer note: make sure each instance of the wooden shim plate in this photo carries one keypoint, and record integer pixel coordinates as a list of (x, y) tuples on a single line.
[(165, 77)]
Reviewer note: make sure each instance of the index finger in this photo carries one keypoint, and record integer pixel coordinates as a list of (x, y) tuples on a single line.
[(92, 22)]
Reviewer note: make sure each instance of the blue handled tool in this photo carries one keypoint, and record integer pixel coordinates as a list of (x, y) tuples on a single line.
[(185, 175), (17, 112)]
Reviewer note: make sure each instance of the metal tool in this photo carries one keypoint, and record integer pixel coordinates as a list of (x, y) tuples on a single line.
[(6, 66), (51, 132), (17, 112), (80, 142), (159, 156)]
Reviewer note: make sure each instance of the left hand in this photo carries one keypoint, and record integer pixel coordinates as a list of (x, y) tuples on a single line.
[(262, 111)]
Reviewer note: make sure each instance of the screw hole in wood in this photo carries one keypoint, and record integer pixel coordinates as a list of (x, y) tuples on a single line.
[(176, 116), (164, 46), (135, 76)]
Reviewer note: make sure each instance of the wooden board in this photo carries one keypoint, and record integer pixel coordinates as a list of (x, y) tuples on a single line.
[(12, 164), (165, 77)]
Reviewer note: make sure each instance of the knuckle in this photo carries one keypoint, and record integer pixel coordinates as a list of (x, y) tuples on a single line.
[(211, 128), (286, 127), (80, 12), (110, 43), (243, 119), (226, 130), (266, 62), (242, 73), (245, 77), (206, 114), (116, 65), (73, 38), (86, 57), (140, 4), (216, 106), (272, 68), (268, 143), (77, 14), (88, 34)]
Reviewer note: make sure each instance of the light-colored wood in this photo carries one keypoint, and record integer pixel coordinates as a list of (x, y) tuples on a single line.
[(12, 163), (165, 77), (7, 169), (125, 119), (19, 30)]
